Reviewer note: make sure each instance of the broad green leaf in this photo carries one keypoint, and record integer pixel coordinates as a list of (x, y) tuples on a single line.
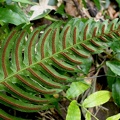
[(117, 56), (114, 117), (115, 91), (2, 1), (86, 66), (73, 112), (115, 45), (111, 78), (60, 10), (76, 88), (23, 1), (97, 99), (12, 14), (97, 3), (84, 3), (118, 1), (114, 66)]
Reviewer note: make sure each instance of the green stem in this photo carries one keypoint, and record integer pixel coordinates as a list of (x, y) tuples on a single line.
[(111, 56), (50, 18), (88, 111)]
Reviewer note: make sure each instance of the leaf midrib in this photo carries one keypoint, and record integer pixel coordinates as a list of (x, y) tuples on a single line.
[(110, 32)]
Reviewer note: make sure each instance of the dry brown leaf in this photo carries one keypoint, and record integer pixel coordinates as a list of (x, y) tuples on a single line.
[(116, 15), (70, 8), (86, 13), (112, 12), (99, 16)]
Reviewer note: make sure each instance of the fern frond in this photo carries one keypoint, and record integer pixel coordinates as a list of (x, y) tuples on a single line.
[(37, 66)]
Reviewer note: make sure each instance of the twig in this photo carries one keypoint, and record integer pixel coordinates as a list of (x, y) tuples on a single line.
[(78, 8)]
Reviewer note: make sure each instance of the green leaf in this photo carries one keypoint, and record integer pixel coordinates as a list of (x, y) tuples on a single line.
[(87, 116), (97, 99), (114, 66), (115, 91), (118, 1), (84, 3), (97, 3), (60, 10), (8, 116), (86, 65), (2, 1), (13, 14), (115, 45), (114, 117), (111, 78), (23, 1), (76, 88), (73, 112), (117, 56)]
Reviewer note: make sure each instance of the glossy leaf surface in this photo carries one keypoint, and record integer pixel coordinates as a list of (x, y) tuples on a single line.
[(13, 14), (96, 99), (76, 88), (73, 112), (114, 117), (114, 66), (115, 91)]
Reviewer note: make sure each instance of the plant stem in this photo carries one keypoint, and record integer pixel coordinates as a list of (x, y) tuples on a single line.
[(85, 109), (50, 18), (88, 111)]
